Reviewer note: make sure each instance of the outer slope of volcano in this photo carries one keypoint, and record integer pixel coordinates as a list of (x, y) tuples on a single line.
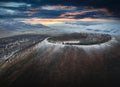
[(55, 65)]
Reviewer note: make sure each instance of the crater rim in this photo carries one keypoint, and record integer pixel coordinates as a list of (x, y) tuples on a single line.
[(80, 39)]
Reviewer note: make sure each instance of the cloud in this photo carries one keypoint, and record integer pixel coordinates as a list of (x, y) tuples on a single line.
[(14, 4), (60, 11), (112, 5), (14, 13), (49, 21), (50, 11), (58, 7), (103, 11), (5, 11)]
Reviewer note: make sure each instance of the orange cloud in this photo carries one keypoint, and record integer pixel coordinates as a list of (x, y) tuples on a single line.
[(50, 21), (72, 14), (45, 20)]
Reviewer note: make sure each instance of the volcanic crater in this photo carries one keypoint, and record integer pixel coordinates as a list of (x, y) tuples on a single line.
[(80, 39), (48, 64)]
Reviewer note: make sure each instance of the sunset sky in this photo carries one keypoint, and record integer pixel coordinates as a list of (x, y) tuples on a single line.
[(50, 12), (60, 16)]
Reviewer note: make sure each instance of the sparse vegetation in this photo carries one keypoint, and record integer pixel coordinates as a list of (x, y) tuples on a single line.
[(10, 45)]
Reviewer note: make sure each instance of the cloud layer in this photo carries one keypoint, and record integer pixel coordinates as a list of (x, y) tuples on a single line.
[(111, 5), (25, 10), (14, 4)]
